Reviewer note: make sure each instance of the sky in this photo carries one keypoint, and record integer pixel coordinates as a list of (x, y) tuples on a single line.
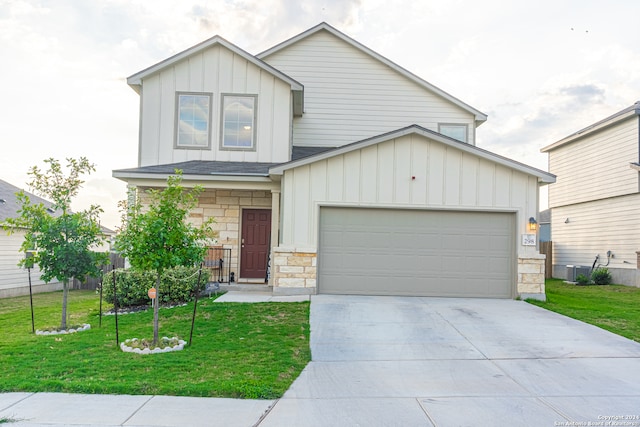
[(540, 70)]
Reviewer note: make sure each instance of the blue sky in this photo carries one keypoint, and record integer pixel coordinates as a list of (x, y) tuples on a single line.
[(540, 70)]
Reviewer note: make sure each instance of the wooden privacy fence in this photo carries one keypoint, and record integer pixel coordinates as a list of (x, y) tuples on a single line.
[(547, 249), (92, 283)]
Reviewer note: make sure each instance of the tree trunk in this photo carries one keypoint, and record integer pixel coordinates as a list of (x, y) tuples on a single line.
[(65, 293), (155, 311)]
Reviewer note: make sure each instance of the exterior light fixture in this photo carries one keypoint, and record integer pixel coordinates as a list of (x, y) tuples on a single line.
[(533, 225)]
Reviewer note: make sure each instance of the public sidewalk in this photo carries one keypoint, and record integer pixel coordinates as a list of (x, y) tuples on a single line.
[(64, 409)]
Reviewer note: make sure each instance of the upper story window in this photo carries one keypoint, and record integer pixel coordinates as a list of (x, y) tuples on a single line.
[(238, 122), (455, 131), (193, 117)]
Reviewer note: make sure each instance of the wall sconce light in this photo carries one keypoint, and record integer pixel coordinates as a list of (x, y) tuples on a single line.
[(566, 221), (533, 225)]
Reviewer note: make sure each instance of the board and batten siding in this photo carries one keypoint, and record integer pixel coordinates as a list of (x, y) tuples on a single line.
[(350, 96), (13, 277), (596, 166), (381, 175), (216, 70), (582, 231)]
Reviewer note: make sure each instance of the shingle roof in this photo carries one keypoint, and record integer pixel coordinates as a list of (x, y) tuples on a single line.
[(542, 176), (545, 216), (8, 202), (633, 110), (205, 167), (301, 152)]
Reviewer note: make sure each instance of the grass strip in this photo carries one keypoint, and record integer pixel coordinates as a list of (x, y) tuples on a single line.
[(239, 350), (615, 308)]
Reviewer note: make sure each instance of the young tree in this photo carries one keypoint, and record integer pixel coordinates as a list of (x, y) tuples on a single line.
[(63, 239), (157, 236)]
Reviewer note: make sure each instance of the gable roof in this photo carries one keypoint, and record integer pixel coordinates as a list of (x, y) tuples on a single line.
[(480, 117), (135, 80), (544, 217), (621, 115), (9, 203), (543, 177)]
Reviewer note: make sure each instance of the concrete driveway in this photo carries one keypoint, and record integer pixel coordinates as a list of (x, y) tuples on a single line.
[(402, 361)]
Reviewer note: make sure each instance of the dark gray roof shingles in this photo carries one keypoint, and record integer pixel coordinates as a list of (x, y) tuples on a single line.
[(9, 204), (208, 167)]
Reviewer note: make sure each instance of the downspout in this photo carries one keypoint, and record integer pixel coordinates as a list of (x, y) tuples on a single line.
[(638, 114)]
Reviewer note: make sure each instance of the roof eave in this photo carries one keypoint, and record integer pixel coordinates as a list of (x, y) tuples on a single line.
[(125, 175), (135, 80), (543, 176), (480, 117), (625, 114)]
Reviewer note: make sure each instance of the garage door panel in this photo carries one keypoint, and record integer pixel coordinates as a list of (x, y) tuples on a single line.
[(413, 252), (497, 242)]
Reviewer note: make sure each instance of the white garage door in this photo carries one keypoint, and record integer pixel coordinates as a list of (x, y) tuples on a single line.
[(415, 252)]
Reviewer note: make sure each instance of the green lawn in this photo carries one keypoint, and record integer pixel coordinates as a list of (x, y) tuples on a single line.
[(615, 308), (239, 350)]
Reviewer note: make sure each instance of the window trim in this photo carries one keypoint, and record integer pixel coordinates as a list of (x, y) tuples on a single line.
[(254, 138), (177, 122), (466, 128)]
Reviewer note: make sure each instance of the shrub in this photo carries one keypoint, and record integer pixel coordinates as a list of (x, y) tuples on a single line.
[(179, 283), (601, 276), (176, 285), (582, 280)]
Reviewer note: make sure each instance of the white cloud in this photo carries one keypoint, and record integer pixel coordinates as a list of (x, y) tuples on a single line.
[(541, 70)]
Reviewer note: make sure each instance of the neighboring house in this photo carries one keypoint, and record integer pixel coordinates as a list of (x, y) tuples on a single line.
[(594, 203), (330, 169), (544, 219), (14, 280)]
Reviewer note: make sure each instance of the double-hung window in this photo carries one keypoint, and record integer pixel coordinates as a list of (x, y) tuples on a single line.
[(238, 122), (455, 131), (193, 119)]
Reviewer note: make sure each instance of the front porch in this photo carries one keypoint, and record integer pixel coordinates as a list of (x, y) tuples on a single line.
[(247, 225)]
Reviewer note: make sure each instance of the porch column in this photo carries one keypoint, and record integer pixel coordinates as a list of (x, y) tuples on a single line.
[(275, 221)]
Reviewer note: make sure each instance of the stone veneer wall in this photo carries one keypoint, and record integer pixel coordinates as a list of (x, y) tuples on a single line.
[(531, 276), (225, 207), (294, 271)]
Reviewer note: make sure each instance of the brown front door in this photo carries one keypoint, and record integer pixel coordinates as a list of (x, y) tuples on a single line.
[(254, 247)]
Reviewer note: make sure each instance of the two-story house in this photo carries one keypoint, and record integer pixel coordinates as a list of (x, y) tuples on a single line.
[(594, 203), (339, 170)]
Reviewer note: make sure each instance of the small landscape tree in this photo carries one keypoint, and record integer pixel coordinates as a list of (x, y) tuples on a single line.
[(63, 240), (157, 236)]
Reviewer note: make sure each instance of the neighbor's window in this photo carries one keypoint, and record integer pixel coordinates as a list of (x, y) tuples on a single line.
[(454, 131), (193, 120), (239, 122)]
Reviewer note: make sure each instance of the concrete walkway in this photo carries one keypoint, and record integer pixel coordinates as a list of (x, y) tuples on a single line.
[(252, 296), (394, 361)]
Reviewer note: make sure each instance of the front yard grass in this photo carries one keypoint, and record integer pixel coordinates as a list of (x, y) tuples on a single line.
[(239, 350), (615, 308)]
